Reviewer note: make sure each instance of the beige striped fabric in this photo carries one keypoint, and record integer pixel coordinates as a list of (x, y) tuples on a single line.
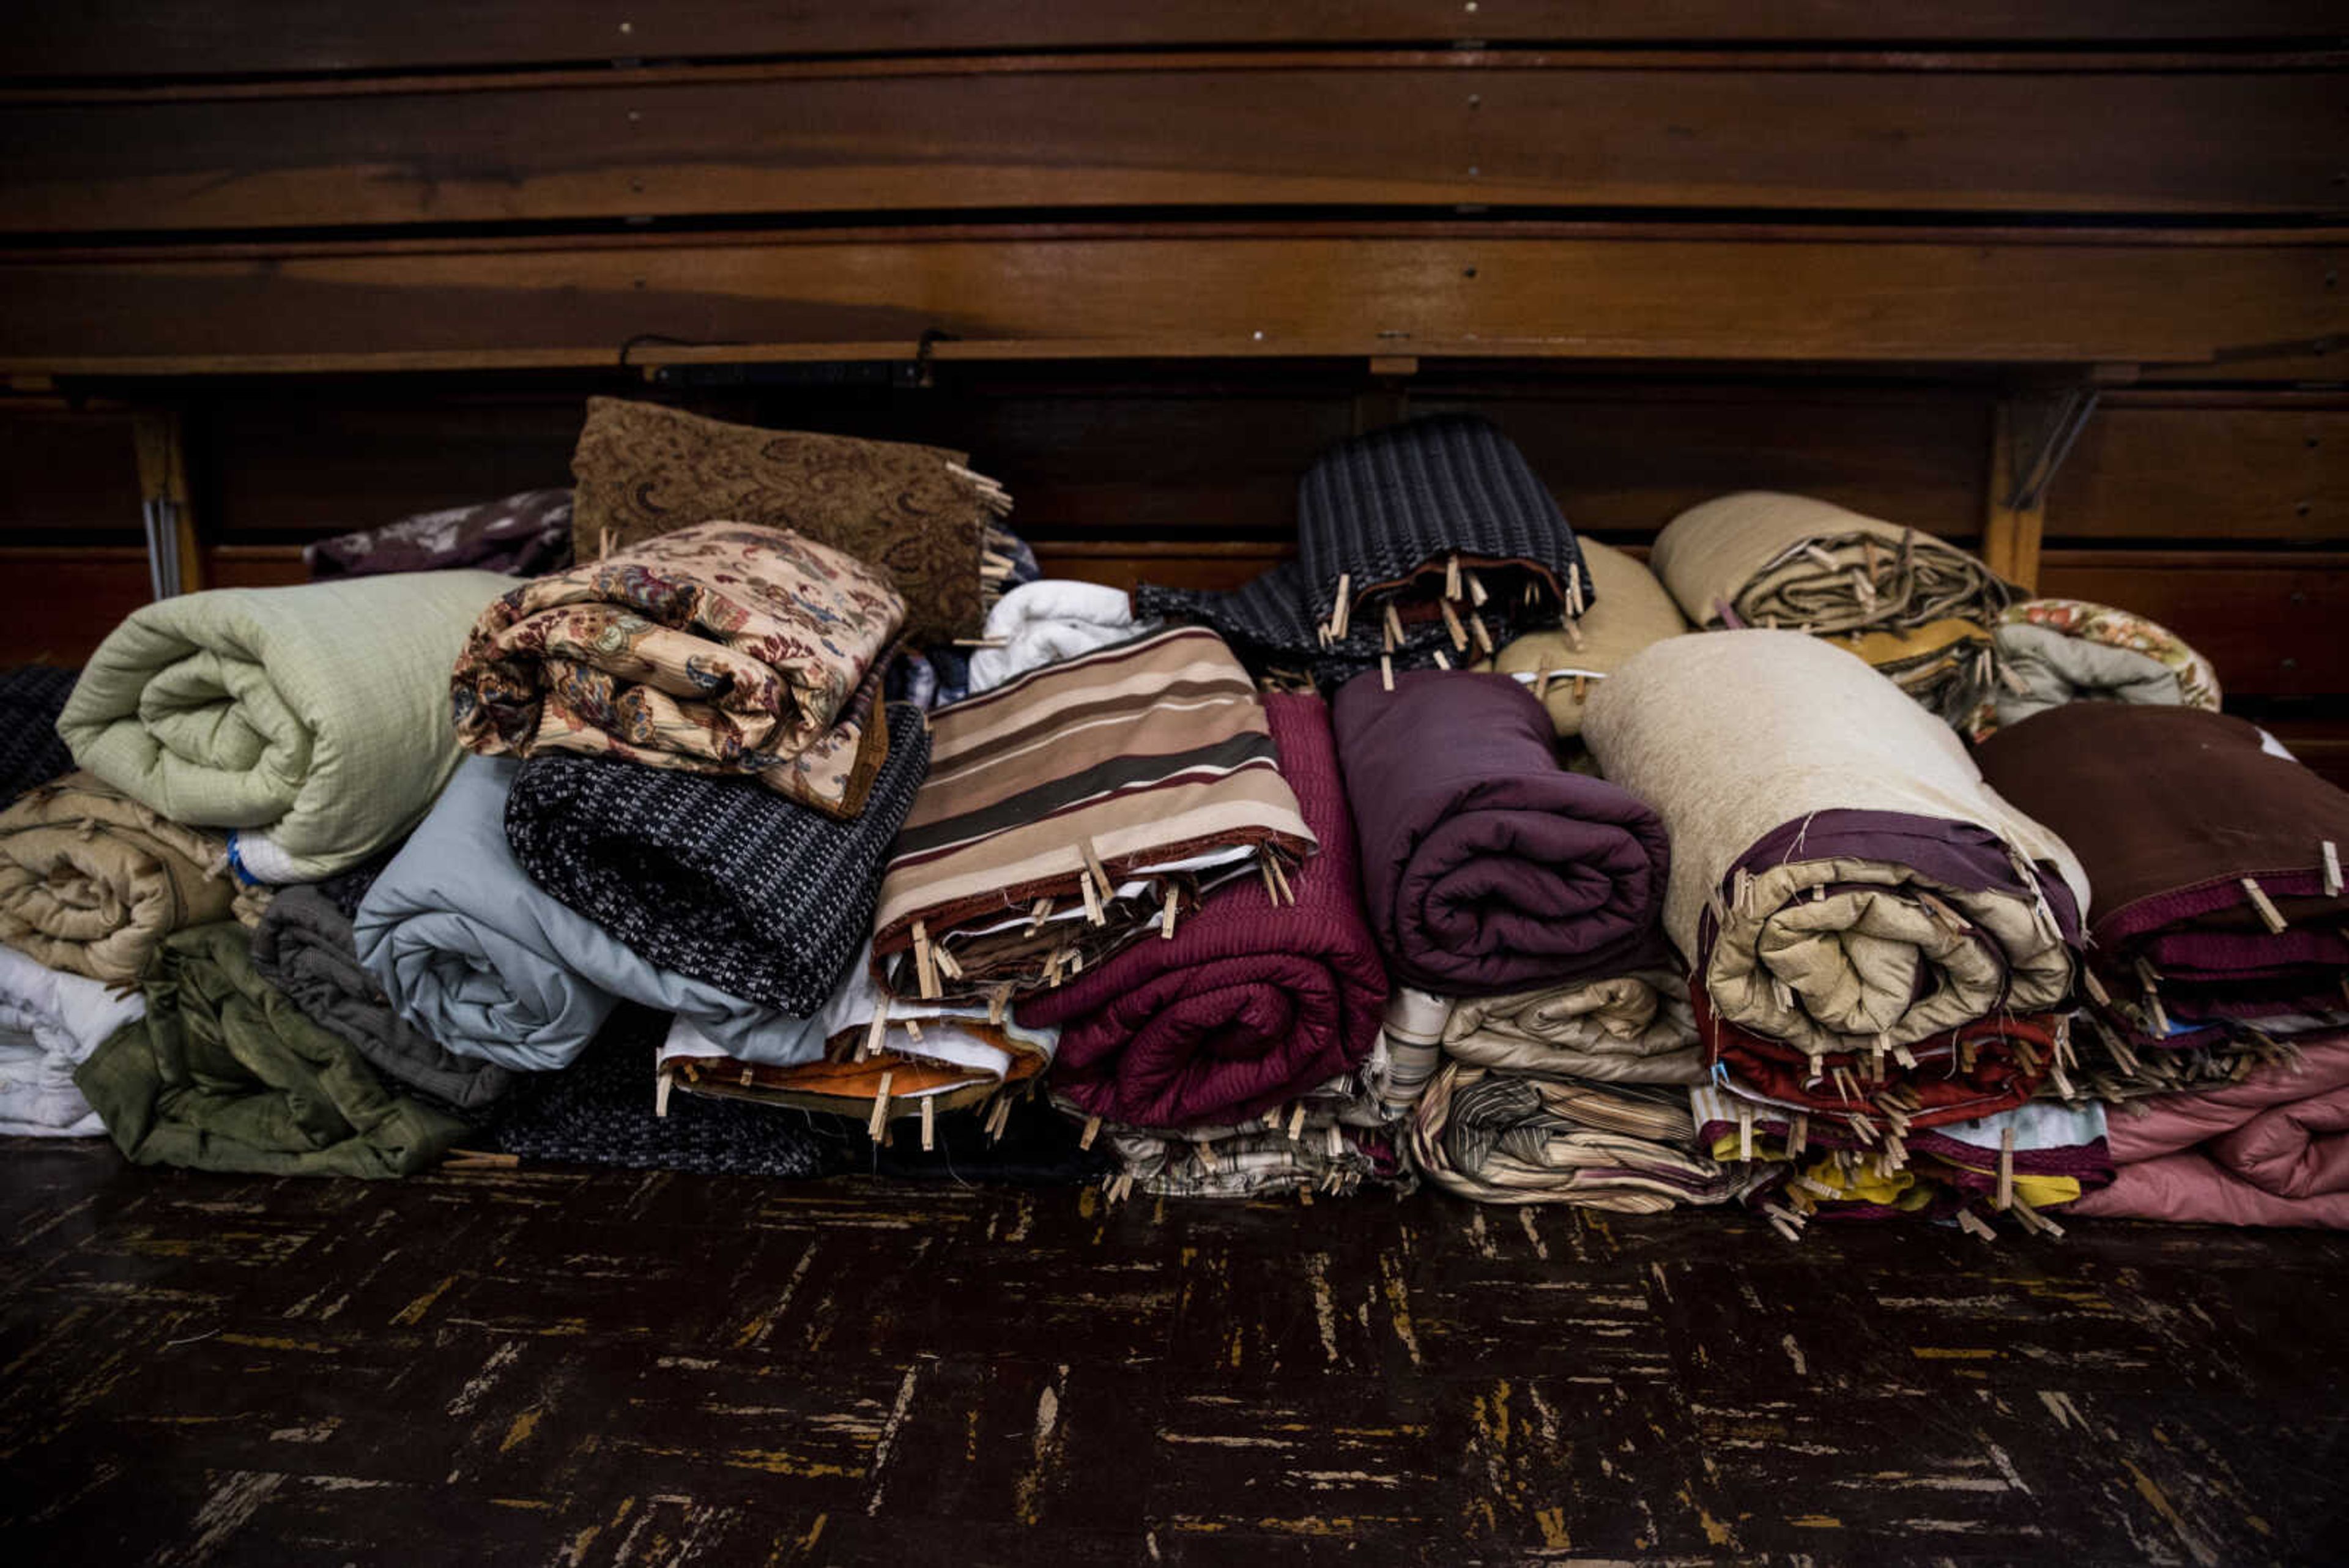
[(1063, 809)]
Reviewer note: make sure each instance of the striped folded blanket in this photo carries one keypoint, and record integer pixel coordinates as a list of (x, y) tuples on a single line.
[(1068, 810), (1871, 930), (1516, 1137), (1624, 1029), (1429, 542), (721, 649), (1313, 1149)]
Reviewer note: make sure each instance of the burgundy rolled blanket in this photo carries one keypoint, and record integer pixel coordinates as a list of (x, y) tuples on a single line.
[(1251, 1002), (1486, 867)]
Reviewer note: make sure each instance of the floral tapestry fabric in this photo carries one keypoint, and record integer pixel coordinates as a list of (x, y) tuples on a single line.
[(722, 649)]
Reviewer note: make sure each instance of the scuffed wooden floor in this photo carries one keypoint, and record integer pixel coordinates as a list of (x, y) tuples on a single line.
[(615, 1368)]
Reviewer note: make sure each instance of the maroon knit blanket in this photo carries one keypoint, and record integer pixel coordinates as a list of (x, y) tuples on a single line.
[(1251, 1002)]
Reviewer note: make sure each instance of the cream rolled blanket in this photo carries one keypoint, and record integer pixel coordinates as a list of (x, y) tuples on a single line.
[(1627, 1029), (1629, 610), (1759, 558), (313, 721), (1844, 886)]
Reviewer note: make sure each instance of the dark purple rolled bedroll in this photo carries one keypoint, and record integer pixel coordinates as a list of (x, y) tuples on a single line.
[(1486, 867), (1252, 1001)]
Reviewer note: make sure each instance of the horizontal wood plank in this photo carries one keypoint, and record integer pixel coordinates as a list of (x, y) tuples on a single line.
[(1264, 290), (171, 38), (1103, 133), (2180, 471), (2271, 624)]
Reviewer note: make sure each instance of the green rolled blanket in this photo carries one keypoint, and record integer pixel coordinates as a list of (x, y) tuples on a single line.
[(225, 1073), (312, 721)]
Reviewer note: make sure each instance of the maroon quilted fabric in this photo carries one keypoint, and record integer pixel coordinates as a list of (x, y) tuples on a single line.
[(1250, 1003), (1486, 867)]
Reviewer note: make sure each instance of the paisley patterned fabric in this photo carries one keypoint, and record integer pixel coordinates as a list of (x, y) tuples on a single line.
[(643, 471), (724, 649)]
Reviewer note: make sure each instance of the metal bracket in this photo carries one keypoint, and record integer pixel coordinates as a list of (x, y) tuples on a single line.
[(2040, 437)]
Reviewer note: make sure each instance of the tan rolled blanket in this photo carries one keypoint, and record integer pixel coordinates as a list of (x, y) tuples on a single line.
[(1759, 558), (1627, 1029), (1515, 1138), (1629, 610), (91, 881)]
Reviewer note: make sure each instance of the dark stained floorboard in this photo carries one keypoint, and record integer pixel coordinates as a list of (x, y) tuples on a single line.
[(604, 1368)]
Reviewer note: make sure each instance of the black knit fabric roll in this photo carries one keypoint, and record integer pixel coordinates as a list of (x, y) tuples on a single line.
[(717, 878), (31, 698), (1386, 514)]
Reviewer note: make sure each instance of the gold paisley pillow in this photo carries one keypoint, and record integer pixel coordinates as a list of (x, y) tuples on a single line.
[(916, 512)]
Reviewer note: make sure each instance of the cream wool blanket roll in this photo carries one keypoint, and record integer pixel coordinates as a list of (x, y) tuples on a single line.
[(1760, 558), (1629, 610), (314, 719), (1736, 735), (1628, 1029)]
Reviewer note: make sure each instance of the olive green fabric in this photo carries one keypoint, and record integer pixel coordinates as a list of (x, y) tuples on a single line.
[(225, 1073)]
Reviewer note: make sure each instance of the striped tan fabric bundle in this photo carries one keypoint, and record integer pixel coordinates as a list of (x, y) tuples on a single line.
[(1067, 812)]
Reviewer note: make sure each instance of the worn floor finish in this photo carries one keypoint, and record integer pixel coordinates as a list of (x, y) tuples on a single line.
[(605, 1369)]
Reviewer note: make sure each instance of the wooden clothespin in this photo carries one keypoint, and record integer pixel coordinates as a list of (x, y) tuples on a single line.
[(982, 642), (1343, 616), (914, 1030), (1038, 913), (2332, 870), (1280, 880), (1581, 688), (1441, 660), (1973, 1225), (1905, 1056), (660, 1093), (1452, 590), (2094, 987), (1744, 1132), (1206, 1149), (1336, 1142), (1476, 594), (1099, 876), (879, 1120), (1092, 1131), (1297, 1123), (1541, 685), (1797, 1135), (1484, 634), (929, 1123), (943, 956), (2005, 1199), (926, 969), (998, 1001), (1394, 624), (1574, 588), (1093, 915), (2269, 914), (1386, 670), (1166, 928)]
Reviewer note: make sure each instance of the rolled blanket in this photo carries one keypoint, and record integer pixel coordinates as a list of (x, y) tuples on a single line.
[(91, 881), (314, 719), (515, 536), (2272, 1149), (1512, 1137), (469, 949), (1870, 929), (724, 649), (1251, 999), (1042, 623), (918, 513), (1630, 610), (303, 946), (224, 1072), (1424, 542), (49, 1023), (1486, 867), (715, 878), (1758, 558), (1947, 667), (1319, 1155), (2217, 866), (31, 750), (2053, 652), (1624, 1029), (1065, 810), (2032, 1157)]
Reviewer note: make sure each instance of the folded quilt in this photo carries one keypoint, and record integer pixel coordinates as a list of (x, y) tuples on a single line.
[(2053, 651), (1063, 813), (1515, 1138), (1486, 867), (2218, 902), (472, 952), (2032, 1158), (1249, 999), (715, 878), (517, 536), (724, 649), (1624, 1029), (1759, 558), (224, 1072), (1947, 667), (1629, 610), (1868, 925), (918, 513), (2272, 1149), (31, 750), (91, 881), (314, 719), (1317, 1154), (49, 1023), (1426, 543), (303, 946), (1044, 622)]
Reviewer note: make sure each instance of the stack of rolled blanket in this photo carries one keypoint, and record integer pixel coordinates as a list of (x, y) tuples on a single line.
[(1913, 607), (1429, 542), (1875, 937)]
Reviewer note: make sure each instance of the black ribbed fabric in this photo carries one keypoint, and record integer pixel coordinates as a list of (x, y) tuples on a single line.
[(31, 698), (1388, 511), (717, 878)]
